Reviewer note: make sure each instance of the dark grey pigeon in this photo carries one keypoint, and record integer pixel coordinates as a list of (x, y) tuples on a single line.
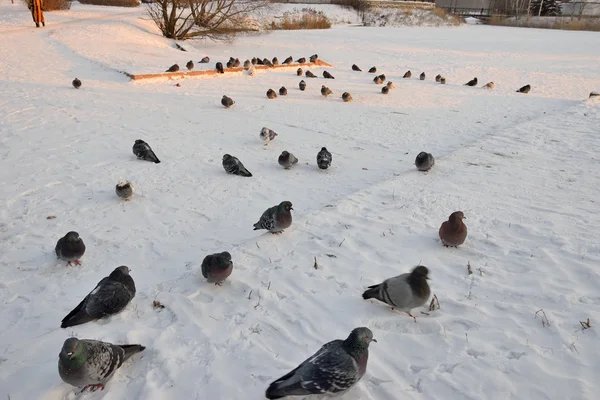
[(254, 60), (443, 80), (301, 60), (288, 60), (89, 364), (271, 94), (287, 159), (259, 61), (327, 75), (109, 297), (302, 85), (76, 83), (190, 65), (143, 151), (324, 158), (70, 248), (299, 72), (333, 370), (424, 161), (227, 101), (325, 91), (275, 61), (385, 90), (234, 166), (309, 74), (267, 135), (282, 91), (407, 74), (217, 267), (422, 76), (403, 292), (524, 89), (236, 63), (378, 80), (173, 68), (355, 68), (247, 64), (205, 60), (219, 68), (229, 64), (372, 70), (267, 62), (276, 218), (346, 97), (313, 58), (438, 77), (472, 82)]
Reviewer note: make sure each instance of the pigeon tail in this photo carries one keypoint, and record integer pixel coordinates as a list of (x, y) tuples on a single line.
[(245, 172), (285, 386), (76, 317), (131, 349)]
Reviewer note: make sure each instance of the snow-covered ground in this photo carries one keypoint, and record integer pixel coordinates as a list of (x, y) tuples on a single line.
[(523, 168)]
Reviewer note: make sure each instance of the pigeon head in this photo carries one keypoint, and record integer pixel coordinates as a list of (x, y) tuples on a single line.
[(226, 157), (359, 340), (285, 153), (420, 271), (286, 205), (456, 217), (72, 237), (323, 148), (226, 255), (139, 141), (72, 351), (120, 271), (122, 183)]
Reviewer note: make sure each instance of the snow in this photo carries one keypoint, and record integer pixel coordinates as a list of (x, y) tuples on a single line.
[(523, 169)]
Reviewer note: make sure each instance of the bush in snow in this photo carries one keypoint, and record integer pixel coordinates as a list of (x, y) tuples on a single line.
[(53, 5), (115, 3), (307, 18), (550, 8)]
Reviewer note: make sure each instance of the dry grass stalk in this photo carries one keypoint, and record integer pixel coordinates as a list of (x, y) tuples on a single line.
[(435, 303), (157, 305), (114, 3), (469, 270), (585, 324), (540, 313), (307, 18), (316, 266)]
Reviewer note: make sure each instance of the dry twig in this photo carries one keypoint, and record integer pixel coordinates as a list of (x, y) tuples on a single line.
[(340, 245), (469, 270), (585, 324), (540, 313), (316, 265), (435, 303), (249, 294)]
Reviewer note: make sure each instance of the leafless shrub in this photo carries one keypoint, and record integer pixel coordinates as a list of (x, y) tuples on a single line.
[(563, 23), (114, 3), (307, 18)]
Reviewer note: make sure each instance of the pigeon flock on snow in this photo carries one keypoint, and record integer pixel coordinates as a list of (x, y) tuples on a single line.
[(338, 365)]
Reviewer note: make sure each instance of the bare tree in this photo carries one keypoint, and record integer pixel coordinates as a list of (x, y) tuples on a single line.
[(215, 19)]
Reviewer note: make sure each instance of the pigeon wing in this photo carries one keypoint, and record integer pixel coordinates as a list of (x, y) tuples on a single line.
[(108, 299)]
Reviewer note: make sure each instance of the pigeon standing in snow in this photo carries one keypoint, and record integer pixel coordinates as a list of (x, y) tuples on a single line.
[(109, 297), (217, 267), (143, 151), (424, 161), (301, 60), (229, 63), (390, 85), (325, 91), (275, 61), (327, 75), (422, 76), (247, 65), (385, 90), (313, 58), (267, 135), (204, 60), (324, 158), (287, 159), (332, 370), (524, 89), (190, 65), (254, 61), (236, 63), (346, 97), (76, 83), (443, 80), (259, 61), (472, 82), (89, 364), (227, 101), (271, 94), (407, 74), (219, 68), (173, 68), (378, 80), (288, 60), (282, 91), (302, 85), (234, 166), (355, 68), (70, 248), (276, 218), (489, 85), (309, 74), (438, 77), (299, 72), (453, 232), (403, 292), (124, 189), (267, 62), (372, 70)]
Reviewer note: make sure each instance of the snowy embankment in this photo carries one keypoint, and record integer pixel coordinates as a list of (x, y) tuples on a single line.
[(523, 168)]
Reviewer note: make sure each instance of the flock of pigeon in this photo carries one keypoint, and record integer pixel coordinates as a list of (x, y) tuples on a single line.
[(337, 366)]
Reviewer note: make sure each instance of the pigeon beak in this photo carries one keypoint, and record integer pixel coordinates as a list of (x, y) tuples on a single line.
[(69, 354), (374, 340)]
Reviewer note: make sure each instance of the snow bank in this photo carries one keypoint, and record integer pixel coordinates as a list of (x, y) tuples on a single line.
[(407, 17)]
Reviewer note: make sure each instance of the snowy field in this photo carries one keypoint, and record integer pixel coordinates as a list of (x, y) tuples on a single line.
[(523, 168)]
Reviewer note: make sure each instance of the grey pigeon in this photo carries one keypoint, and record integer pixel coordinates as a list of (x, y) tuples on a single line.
[(302, 85), (372, 70), (443, 80), (390, 85), (299, 72), (247, 64), (453, 232), (267, 135), (325, 91), (524, 89), (438, 77), (333, 370), (234, 166), (259, 61), (593, 94), (254, 61), (275, 61), (236, 63), (288, 60), (324, 158), (355, 68), (282, 91), (287, 159), (217, 267), (327, 75), (346, 97), (89, 364), (424, 161), (472, 82), (190, 65), (385, 90), (219, 68), (109, 297), (403, 292), (229, 64), (378, 80), (271, 94), (383, 78), (70, 248), (301, 60), (313, 58), (267, 62), (407, 74), (173, 68), (76, 83), (227, 101), (204, 60), (125, 189), (422, 76), (309, 74), (143, 151), (276, 218)]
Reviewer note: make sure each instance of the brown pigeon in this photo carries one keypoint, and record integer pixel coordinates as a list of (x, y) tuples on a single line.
[(453, 232)]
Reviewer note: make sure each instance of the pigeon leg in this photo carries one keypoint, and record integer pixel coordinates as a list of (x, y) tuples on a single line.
[(408, 312), (93, 388), (218, 283), (77, 262), (69, 264)]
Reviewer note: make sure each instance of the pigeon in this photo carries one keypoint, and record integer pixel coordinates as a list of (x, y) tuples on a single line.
[(275, 61), (219, 68), (422, 76), (407, 74), (190, 65), (173, 68), (271, 94), (125, 189), (472, 82), (276, 218), (267, 135), (443, 80), (143, 151), (373, 70), (302, 85), (76, 83), (236, 63), (346, 97), (313, 58), (301, 60), (70, 248), (385, 90), (383, 78), (259, 61), (453, 232), (327, 75), (247, 64), (438, 77), (299, 72), (288, 60), (234, 166), (282, 91), (89, 364), (267, 62), (332, 370), (324, 158), (229, 64), (524, 89), (227, 101), (593, 94), (109, 297), (325, 91), (204, 60), (489, 85), (355, 68), (217, 267), (390, 85), (287, 160), (424, 161), (403, 292), (254, 60), (378, 80), (309, 74)]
